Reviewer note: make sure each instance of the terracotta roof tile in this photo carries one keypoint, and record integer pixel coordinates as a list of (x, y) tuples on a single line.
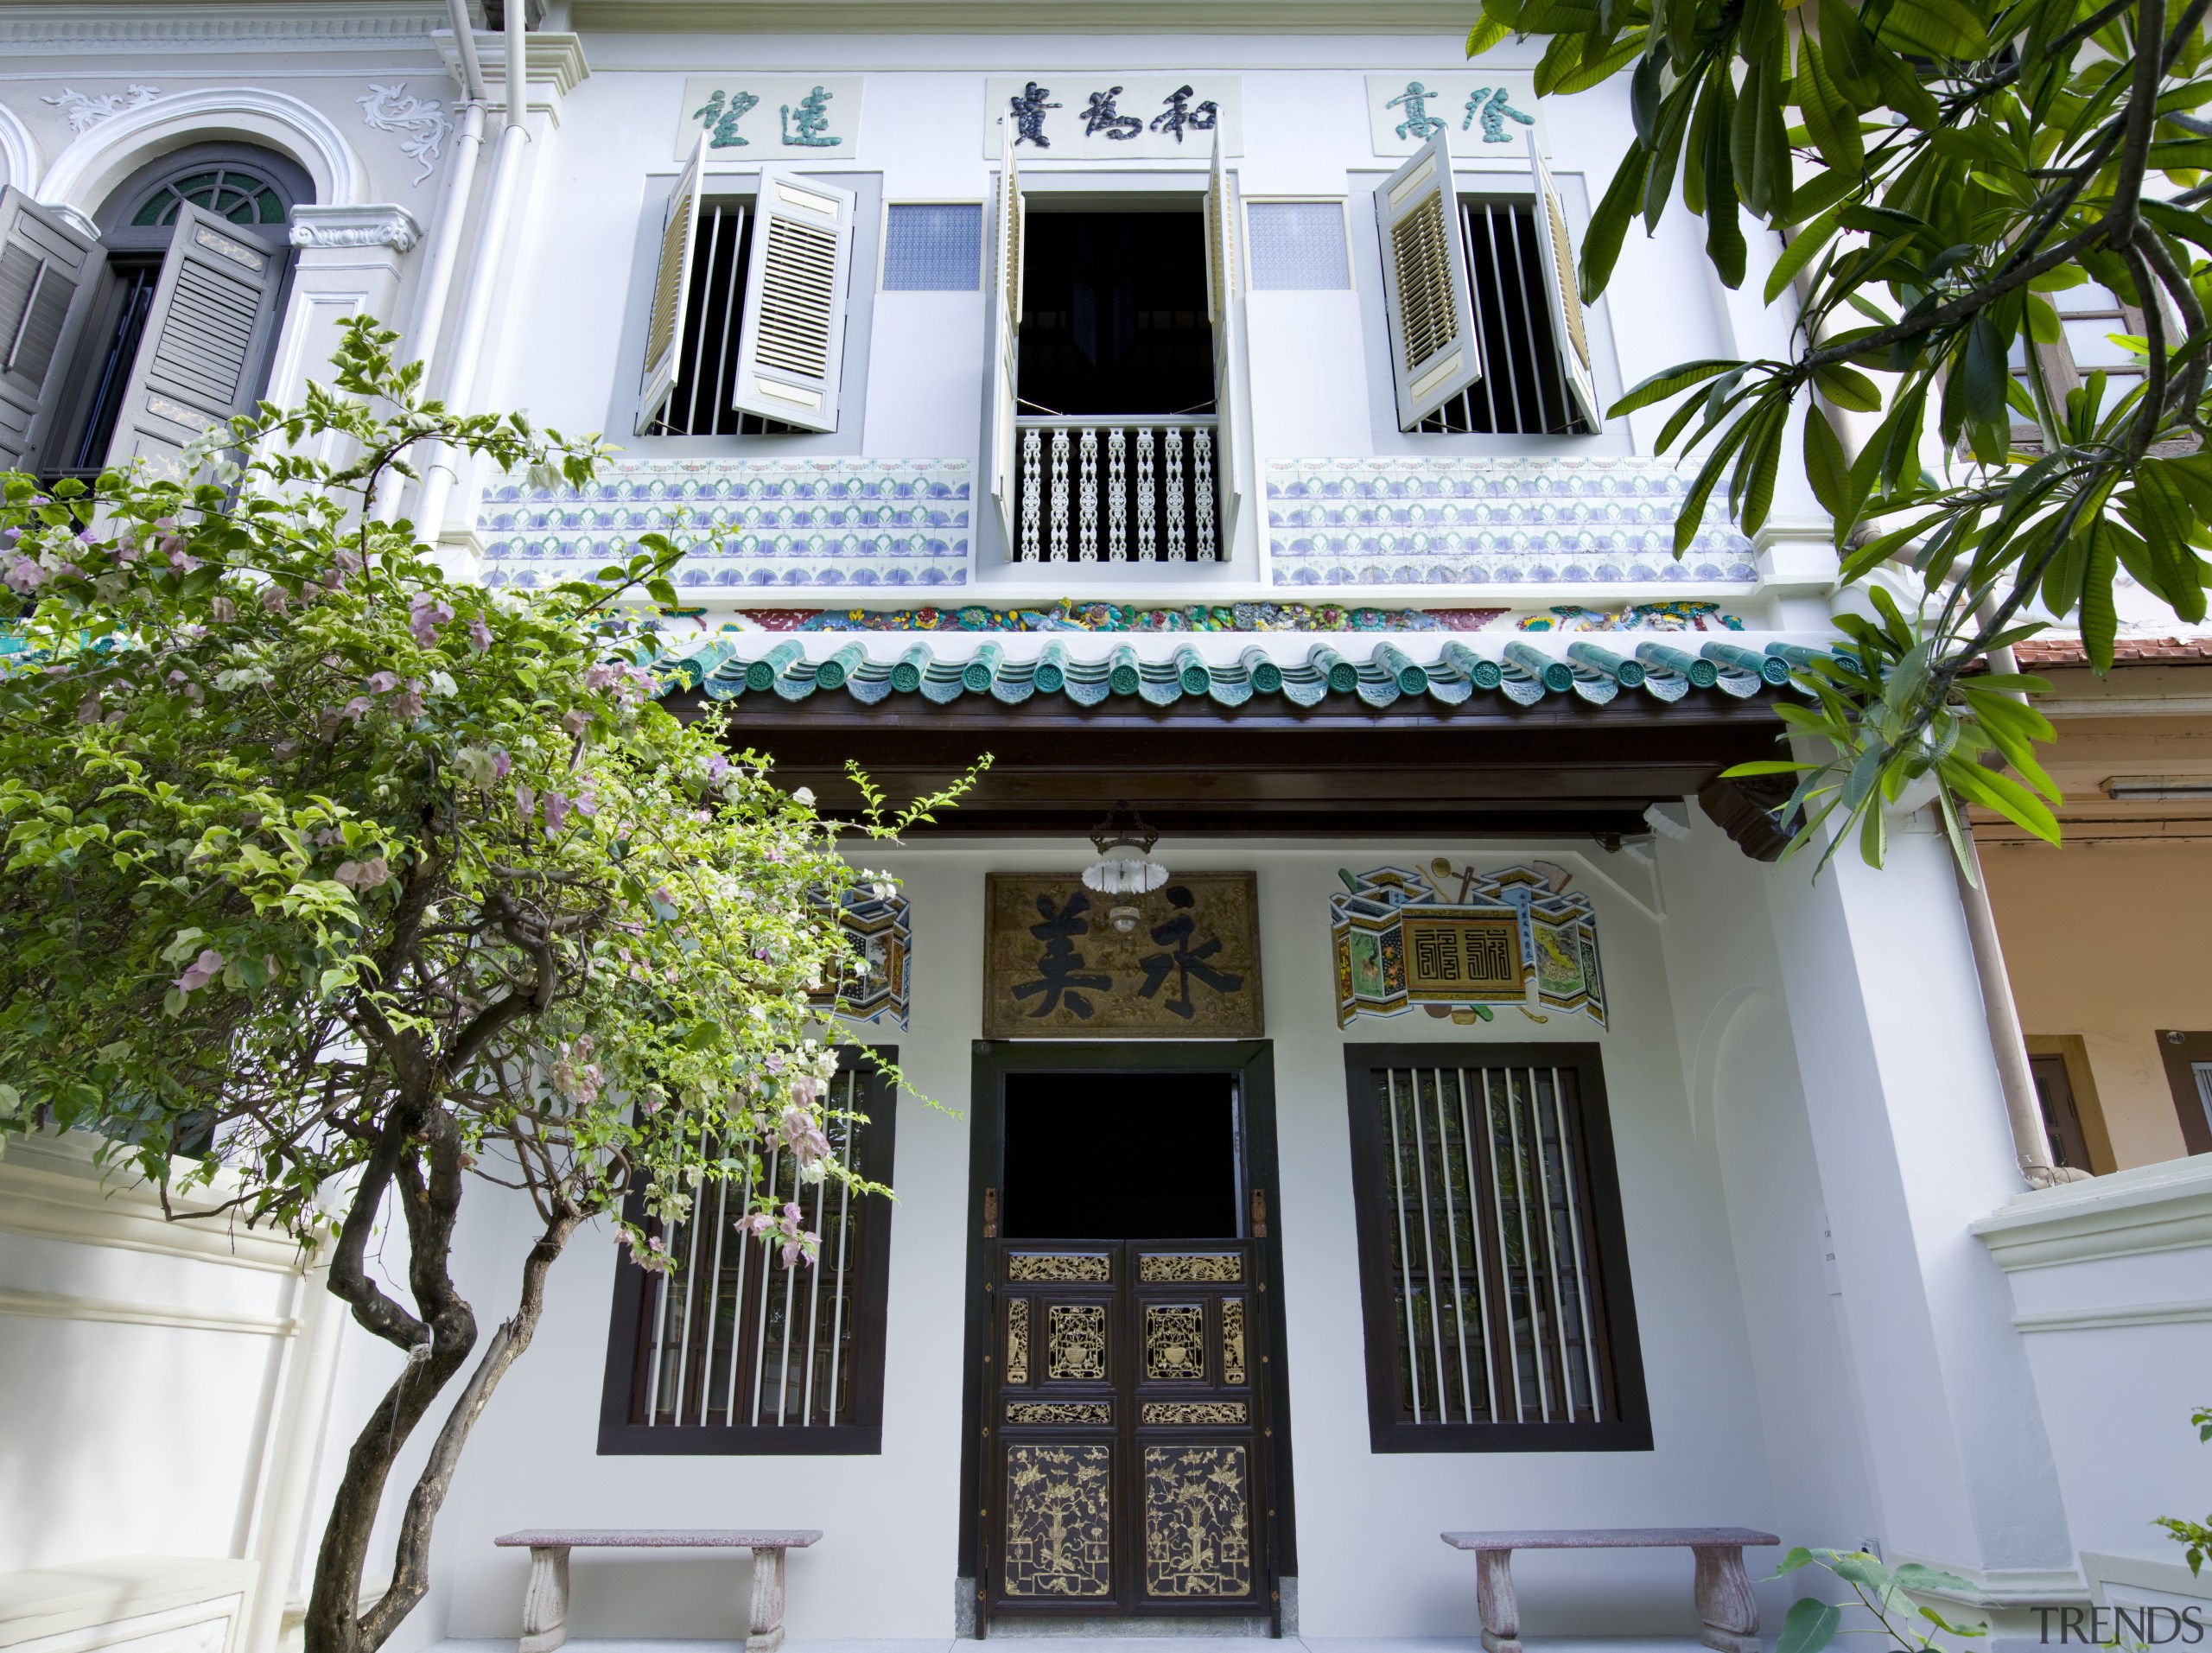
[(2040, 651)]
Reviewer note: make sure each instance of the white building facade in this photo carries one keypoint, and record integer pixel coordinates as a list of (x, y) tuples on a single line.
[(1472, 1130)]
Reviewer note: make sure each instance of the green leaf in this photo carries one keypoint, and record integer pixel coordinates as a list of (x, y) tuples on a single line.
[(1487, 33), (1808, 1626), (1660, 386), (1848, 388), (1601, 241), (2099, 620), (1804, 246), (1826, 467)]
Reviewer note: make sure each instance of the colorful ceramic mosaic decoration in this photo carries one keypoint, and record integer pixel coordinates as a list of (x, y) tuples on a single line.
[(1480, 521), (747, 523), (881, 931), (1637, 617), (1458, 943)]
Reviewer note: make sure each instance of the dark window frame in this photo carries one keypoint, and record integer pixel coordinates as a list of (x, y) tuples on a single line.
[(1389, 1430), (627, 1343), (2177, 1050)]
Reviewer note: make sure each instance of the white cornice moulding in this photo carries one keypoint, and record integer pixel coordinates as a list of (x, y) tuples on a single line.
[(2100, 1320), (60, 31), (1021, 16), (51, 1187), (1999, 1587), (97, 1595), (321, 228), (2152, 1208), (63, 1306), (556, 62)]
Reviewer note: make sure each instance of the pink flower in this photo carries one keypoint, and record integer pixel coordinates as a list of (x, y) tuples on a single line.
[(587, 805), (479, 632), (274, 599), (501, 764), (223, 609), (600, 676), (88, 710), (362, 876), (557, 805), (384, 683), (348, 562), (576, 720), (25, 575), (202, 970), (525, 800), (424, 615), (804, 1137), (408, 703), (180, 559), (358, 708)]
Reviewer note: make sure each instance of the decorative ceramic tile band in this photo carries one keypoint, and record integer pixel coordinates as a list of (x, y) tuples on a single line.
[(1072, 616), (754, 523), (1469, 521)]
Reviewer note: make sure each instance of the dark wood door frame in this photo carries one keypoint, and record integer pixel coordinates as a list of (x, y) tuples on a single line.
[(1250, 1062)]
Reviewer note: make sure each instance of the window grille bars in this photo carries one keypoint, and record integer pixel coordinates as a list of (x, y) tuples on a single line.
[(1489, 1247), (1065, 498), (713, 316), (1523, 391), (739, 1340)]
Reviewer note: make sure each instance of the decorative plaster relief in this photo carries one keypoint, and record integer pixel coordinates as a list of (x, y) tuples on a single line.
[(328, 228), (747, 523), (394, 108), (1481, 521), (86, 112)]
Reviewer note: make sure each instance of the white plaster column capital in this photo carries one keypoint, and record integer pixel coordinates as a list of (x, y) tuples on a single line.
[(372, 224)]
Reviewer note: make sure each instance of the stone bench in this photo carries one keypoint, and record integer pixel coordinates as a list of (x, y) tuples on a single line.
[(1728, 1613), (545, 1601)]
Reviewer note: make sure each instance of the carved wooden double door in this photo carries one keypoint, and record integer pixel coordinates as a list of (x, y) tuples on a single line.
[(1126, 1429)]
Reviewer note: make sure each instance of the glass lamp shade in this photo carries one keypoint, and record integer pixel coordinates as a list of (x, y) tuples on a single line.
[(1124, 869)]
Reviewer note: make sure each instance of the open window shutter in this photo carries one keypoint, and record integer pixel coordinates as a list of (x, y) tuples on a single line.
[(672, 289), (46, 268), (1005, 320), (1222, 277), (206, 338), (1434, 352), (791, 343), (1569, 328)]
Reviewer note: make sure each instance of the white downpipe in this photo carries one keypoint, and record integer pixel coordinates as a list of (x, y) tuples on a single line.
[(479, 288), (443, 255)]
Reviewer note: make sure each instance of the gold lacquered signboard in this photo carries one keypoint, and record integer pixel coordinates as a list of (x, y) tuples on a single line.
[(1056, 965)]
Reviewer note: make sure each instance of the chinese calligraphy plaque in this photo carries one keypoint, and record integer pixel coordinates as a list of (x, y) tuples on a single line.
[(1084, 115), (1488, 114), (754, 118), (1056, 967)]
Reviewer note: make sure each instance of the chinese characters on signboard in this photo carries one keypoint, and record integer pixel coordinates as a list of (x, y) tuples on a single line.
[(771, 116), (1056, 965), (1460, 943), (1086, 115), (1493, 114)]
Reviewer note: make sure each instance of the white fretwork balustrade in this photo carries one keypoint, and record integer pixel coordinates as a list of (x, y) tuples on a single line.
[(1073, 508)]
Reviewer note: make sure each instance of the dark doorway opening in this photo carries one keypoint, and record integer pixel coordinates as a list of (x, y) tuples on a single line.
[(1121, 1156), (1114, 315)]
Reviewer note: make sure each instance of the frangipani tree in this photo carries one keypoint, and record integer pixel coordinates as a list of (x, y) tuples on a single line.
[(377, 882), (1939, 168)]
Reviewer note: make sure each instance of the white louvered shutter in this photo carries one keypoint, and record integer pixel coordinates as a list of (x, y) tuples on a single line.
[(791, 344), (1223, 280), (46, 287), (1009, 218), (1570, 329), (206, 338), (1434, 352), (679, 235)]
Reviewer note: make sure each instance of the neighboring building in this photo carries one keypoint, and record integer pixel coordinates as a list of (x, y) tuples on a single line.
[(1185, 405)]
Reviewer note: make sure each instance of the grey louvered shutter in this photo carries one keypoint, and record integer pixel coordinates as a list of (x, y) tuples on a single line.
[(1222, 280), (1434, 352), (1570, 328), (679, 235), (791, 344), (1008, 220), (46, 287), (206, 338)]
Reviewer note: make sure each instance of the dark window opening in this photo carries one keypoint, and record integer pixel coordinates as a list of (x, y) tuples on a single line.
[(131, 297), (714, 314), (1114, 315), (1121, 1156), (227, 192), (1523, 391), (731, 1351)]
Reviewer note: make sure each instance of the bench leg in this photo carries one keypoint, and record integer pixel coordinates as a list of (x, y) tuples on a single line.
[(1499, 1608), (1728, 1612), (767, 1602), (545, 1601)]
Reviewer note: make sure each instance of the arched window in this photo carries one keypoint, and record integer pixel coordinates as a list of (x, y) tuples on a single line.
[(157, 329)]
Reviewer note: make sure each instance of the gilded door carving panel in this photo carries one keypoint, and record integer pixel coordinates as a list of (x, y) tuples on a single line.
[(1127, 1411)]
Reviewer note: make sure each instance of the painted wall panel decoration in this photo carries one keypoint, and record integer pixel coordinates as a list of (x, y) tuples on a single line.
[(1056, 965), (1086, 115), (881, 931), (1477, 521), (1457, 943), (860, 523), (1488, 114), (771, 116)]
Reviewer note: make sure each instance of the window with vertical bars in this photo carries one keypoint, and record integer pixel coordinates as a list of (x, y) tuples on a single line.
[(733, 1352), (1523, 391), (713, 312), (1492, 1269)]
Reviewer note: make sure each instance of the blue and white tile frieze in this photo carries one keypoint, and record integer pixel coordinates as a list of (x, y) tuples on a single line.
[(842, 523), (1469, 521)]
